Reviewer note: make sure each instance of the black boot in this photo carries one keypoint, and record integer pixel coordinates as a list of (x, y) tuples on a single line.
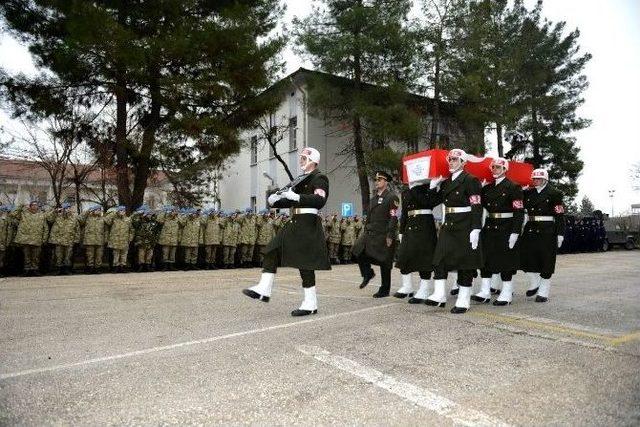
[(367, 279)]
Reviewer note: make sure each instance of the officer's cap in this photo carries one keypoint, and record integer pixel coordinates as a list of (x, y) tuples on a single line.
[(383, 175)]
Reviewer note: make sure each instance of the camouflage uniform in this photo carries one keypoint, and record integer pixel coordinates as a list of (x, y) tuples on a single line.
[(31, 234), (64, 233), (357, 224), (212, 237), (334, 238), (146, 230), (230, 237), (348, 239), (190, 238), (120, 235), (266, 232), (169, 236), (248, 236), (5, 221), (93, 237)]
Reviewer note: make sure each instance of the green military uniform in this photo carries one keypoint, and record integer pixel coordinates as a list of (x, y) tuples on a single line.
[(463, 213), (505, 214), (169, 237), (418, 230), (545, 223), (357, 224), (335, 236), (31, 235), (300, 243), (348, 239), (248, 236), (146, 233), (372, 247), (5, 222), (120, 235), (230, 237), (93, 237), (266, 232), (190, 238), (65, 231), (212, 237)]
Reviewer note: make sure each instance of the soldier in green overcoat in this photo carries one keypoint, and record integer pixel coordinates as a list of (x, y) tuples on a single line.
[(458, 247), (377, 243), (543, 234), (502, 200), (301, 242)]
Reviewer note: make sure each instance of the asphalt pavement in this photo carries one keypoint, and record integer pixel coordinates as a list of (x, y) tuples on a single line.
[(188, 348)]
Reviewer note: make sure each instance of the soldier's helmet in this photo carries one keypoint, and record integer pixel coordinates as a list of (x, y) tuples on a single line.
[(540, 174)]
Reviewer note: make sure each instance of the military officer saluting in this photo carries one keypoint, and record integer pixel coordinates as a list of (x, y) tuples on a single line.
[(543, 234), (458, 246), (301, 241), (503, 201), (417, 239), (377, 243)]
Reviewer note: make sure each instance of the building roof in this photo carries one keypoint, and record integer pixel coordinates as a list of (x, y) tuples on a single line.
[(31, 170), (301, 74)]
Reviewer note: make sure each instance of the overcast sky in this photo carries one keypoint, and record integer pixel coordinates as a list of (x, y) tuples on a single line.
[(609, 30)]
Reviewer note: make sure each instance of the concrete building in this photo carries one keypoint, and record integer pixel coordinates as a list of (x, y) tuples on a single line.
[(255, 170), (23, 180)]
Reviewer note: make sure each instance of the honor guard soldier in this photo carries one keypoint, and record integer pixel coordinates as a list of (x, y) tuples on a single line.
[(543, 234), (503, 201), (301, 242), (417, 239), (458, 246), (31, 235), (377, 244)]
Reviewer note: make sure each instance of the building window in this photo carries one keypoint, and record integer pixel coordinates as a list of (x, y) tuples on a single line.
[(253, 204), (293, 132), (254, 150)]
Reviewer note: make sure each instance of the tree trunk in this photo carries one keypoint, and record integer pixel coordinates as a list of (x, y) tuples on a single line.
[(435, 124), (535, 143), (499, 136), (121, 151), (361, 165), (143, 159), (281, 160)]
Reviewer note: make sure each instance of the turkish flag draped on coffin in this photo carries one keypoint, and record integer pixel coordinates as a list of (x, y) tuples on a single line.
[(433, 163)]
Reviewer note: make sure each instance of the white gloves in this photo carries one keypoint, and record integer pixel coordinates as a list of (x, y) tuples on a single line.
[(417, 183), (435, 182), (513, 238), (474, 238), (291, 195), (560, 240), (273, 198), (484, 182), (399, 237)]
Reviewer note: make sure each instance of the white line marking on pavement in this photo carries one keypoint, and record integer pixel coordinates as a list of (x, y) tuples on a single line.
[(417, 395), (186, 343)]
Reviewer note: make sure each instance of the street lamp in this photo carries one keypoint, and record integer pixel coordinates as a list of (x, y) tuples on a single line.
[(611, 193)]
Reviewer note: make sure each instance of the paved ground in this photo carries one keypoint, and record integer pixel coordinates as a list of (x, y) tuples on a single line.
[(189, 348)]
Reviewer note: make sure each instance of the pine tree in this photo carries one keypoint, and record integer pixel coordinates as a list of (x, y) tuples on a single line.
[(367, 42), (550, 87), (586, 207), (181, 72)]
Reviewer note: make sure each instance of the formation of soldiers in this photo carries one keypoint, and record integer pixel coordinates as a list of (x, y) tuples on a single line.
[(586, 234), (49, 240)]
